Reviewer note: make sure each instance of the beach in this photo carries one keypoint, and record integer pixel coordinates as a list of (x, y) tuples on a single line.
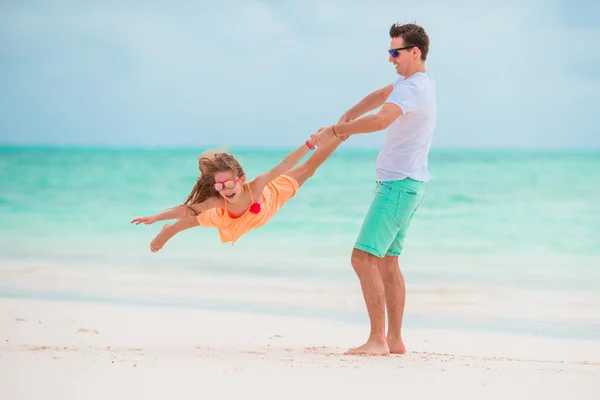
[(75, 350), (503, 291)]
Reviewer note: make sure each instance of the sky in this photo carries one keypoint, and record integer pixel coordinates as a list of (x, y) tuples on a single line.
[(515, 74)]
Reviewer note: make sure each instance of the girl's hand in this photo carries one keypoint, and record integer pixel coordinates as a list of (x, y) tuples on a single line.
[(322, 136), (144, 220)]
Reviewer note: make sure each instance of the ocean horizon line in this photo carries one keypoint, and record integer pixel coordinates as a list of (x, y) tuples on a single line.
[(198, 147)]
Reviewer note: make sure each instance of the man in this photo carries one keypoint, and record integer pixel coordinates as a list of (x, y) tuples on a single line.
[(408, 114)]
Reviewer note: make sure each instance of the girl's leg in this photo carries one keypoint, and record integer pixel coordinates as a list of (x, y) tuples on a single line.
[(305, 170)]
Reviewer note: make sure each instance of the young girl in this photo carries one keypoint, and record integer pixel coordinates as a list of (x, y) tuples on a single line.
[(222, 199)]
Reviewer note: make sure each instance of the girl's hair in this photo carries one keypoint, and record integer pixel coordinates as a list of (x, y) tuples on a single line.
[(210, 163)]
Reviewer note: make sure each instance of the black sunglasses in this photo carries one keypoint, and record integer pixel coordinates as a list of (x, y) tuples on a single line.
[(394, 52)]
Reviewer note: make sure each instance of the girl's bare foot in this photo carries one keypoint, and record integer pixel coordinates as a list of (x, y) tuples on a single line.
[(159, 240)]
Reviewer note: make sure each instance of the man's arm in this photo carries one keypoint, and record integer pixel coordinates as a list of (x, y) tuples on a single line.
[(367, 124), (369, 103)]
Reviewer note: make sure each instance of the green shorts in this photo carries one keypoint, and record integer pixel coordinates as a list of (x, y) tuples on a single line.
[(387, 221)]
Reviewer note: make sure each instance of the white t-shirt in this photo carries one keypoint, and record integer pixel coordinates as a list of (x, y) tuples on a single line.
[(405, 150)]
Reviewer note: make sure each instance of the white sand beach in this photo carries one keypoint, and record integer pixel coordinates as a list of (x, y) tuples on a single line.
[(79, 350)]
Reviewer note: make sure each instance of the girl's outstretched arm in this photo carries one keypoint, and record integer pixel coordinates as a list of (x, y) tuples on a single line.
[(168, 231), (180, 212), (284, 166)]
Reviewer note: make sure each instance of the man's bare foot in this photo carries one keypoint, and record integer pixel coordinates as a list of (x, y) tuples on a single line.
[(371, 348), (159, 240), (396, 345)]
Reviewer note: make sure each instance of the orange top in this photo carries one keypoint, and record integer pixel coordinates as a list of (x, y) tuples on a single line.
[(274, 196)]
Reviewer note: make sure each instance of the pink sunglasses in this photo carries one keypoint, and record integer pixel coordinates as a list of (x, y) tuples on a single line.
[(229, 184)]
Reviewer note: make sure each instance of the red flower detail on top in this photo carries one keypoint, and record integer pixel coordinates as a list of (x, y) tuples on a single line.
[(255, 208)]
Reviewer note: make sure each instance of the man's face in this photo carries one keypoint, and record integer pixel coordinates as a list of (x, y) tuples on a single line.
[(403, 58)]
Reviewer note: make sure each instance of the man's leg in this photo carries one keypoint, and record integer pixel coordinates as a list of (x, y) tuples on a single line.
[(410, 196), (377, 233), (365, 266), (307, 169), (395, 297)]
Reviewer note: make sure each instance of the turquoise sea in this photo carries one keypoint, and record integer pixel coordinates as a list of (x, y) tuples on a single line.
[(524, 224)]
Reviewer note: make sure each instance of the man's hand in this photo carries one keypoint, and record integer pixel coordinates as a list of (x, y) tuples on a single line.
[(343, 120), (322, 136), (144, 220)]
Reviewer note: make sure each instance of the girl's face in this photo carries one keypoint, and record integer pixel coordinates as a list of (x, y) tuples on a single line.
[(229, 185)]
